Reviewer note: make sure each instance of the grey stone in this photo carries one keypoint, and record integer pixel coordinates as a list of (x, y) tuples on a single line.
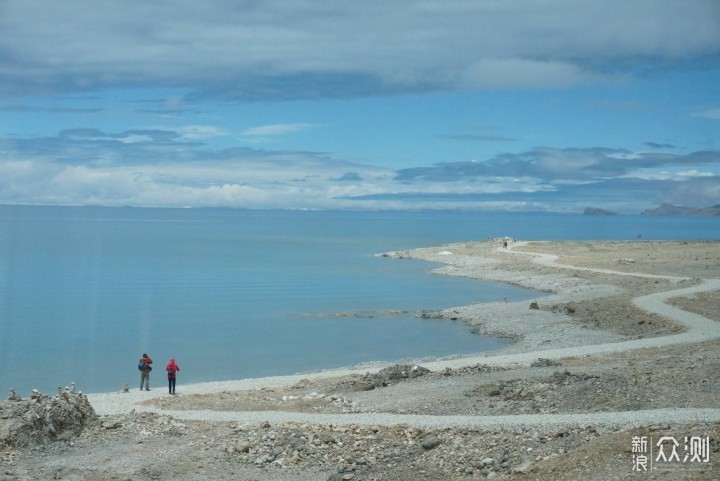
[(111, 424), (524, 468), (430, 442)]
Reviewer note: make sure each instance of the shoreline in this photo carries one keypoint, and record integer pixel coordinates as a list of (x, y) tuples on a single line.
[(512, 320), (101, 400)]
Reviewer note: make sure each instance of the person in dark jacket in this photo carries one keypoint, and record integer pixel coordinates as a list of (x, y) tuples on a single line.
[(172, 369), (145, 371)]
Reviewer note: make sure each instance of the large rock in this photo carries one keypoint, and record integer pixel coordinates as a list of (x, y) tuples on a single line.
[(42, 418)]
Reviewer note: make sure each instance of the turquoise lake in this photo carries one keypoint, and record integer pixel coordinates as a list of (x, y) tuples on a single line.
[(231, 294)]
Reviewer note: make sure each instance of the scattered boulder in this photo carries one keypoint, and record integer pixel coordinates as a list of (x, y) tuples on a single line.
[(525, 467), (402, 371), (111, 424), (387, 376), (430, 442), (566, 309), (543, 362)]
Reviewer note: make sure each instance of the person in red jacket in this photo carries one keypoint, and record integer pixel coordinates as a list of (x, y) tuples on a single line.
[(172, 370)]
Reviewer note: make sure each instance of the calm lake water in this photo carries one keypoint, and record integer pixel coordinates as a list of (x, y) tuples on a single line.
[(231, 294)]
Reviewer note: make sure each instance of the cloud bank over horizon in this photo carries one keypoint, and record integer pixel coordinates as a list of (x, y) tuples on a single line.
[(157, 168), (274, 49), (522, 106)]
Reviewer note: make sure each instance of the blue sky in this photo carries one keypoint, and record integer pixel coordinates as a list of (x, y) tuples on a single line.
[(490, 105)]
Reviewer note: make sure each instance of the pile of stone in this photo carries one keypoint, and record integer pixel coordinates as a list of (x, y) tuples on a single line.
[(385, 377), (42, 418), (470, 370), (543, 362)]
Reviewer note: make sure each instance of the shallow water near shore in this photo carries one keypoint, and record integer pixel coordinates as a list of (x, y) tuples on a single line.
[(234, 294)]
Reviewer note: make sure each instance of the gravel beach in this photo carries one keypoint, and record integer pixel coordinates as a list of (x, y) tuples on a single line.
[(626, 345)]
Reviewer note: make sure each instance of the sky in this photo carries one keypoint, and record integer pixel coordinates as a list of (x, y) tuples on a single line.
[(493, 105)]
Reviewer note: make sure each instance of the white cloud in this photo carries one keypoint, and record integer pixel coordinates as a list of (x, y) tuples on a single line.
[(503, 73), (665, 175), (695, 173), (160, 168), (133, 139), (133, 175), (275, 129), (196, 132), (708, 114)]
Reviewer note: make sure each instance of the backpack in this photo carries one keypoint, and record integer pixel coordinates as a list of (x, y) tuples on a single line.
[(142, 366)]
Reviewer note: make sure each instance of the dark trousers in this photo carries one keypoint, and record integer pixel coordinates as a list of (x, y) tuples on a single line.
[(171, 385)]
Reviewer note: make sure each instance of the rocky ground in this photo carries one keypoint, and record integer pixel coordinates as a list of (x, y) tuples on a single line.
[(587, 307)]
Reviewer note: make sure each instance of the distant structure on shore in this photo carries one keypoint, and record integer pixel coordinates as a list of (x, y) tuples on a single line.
[(663, 209)]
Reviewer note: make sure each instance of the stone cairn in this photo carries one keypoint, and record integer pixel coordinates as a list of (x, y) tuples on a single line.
[(42, 418)]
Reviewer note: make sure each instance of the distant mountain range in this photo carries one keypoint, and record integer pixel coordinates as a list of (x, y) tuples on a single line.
[(667, 209), (596, 211), (664, 209)]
